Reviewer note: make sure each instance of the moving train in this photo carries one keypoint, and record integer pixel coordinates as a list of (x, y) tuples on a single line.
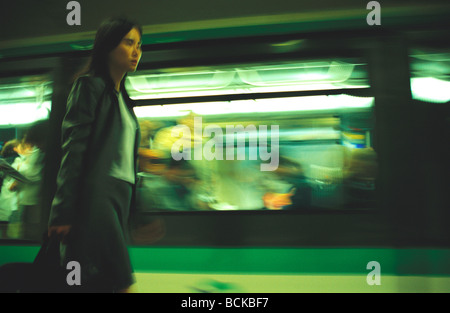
[(305, 149)]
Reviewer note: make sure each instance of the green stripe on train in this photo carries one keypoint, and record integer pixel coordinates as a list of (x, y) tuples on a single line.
[(432, 262)]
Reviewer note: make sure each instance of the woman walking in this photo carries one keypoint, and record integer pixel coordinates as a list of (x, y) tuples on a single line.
[(97, 175)]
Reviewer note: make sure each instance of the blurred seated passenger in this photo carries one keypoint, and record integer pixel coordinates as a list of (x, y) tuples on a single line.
[(9, 189), (155, 147), (170, 187), (360, 178), (241, 185), (363, 165), (148, 132), (29, 193), (295, 194), (8, 199), (167, 184), (8, 154)]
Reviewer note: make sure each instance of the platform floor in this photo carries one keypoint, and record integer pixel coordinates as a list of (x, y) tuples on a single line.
[(250, 283)]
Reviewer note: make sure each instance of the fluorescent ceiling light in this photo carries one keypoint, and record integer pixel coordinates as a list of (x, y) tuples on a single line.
[(253, 79), (289, 135), (292, 104), (430, 89)]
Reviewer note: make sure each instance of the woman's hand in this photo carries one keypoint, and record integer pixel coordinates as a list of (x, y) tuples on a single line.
[(61, 231)]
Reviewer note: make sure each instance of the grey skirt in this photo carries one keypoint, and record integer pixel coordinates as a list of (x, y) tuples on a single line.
[(98, 239)]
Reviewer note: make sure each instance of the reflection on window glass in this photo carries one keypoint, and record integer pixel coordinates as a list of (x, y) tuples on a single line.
[(25, 105), (296, 153)]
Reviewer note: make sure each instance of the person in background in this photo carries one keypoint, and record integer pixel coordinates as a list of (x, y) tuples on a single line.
[(29, 193), (296, 192), (360, 178), (8, 199)]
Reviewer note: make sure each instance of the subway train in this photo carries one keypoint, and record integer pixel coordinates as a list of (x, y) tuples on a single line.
[(307, 156)]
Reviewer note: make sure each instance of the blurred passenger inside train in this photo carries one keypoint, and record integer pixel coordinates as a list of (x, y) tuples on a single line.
[(360, 177), (166, 184), (8, 199), (298, 197), (8, 154), (241, 185), (149, 157), (26, 221), (148, 132)]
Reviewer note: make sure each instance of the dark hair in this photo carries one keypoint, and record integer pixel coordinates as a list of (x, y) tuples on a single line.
[(37, 134), (109, 35)]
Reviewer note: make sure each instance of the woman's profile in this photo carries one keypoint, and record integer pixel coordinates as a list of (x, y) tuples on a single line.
[(97, 175)]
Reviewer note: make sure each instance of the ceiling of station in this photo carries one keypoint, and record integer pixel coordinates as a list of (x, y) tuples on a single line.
[(25, 23)]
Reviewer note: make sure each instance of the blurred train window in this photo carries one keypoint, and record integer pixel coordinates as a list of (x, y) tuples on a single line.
[(295, 152), (25, 105)]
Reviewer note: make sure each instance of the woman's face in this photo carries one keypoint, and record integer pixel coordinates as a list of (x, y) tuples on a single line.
[(125, 57)]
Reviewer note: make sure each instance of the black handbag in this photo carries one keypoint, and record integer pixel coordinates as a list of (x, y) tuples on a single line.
[(44, 275)]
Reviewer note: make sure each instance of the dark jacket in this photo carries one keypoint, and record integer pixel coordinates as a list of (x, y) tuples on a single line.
[(90, 132)]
